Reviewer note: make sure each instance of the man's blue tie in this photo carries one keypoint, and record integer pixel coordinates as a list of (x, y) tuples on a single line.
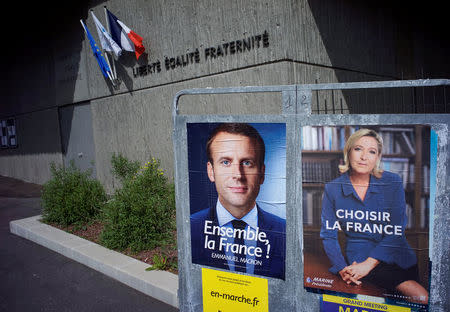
[(239, 239)]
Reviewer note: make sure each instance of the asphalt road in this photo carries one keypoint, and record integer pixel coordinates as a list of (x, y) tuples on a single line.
[(34, 278)]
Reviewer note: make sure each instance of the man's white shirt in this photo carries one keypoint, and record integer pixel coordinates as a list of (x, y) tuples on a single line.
[(224, 219)]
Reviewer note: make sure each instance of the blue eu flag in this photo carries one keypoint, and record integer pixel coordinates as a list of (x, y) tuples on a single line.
[(97, 53)]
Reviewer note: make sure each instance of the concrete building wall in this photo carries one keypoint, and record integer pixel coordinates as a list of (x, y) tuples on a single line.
[(291, 42), (77, 140), (29, 85), (38, 145), (139, 125), (346, 35)]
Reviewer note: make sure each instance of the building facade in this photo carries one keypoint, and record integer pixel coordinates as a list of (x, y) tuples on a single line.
[(63, 108)]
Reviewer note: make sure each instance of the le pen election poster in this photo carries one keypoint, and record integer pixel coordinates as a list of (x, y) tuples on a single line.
[(366, 208), (237, 194)]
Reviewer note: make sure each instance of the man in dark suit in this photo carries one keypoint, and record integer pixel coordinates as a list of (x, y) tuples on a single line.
[(237, 234)]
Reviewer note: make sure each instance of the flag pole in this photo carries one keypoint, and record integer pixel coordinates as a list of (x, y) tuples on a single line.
[(109, 75), (106, 58), (109, 30)]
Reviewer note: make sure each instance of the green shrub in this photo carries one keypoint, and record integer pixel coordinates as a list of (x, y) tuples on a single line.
[(122, 168), (141, 214), (71, 196), (162, 263)]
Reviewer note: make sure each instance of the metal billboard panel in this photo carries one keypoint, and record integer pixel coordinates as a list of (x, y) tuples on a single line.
[(289, 294)]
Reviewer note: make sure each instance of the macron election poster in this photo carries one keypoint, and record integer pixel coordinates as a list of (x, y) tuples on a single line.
[(237, 196), (229, 292)]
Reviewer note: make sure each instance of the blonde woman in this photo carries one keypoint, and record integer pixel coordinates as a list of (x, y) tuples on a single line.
[(368, 205)]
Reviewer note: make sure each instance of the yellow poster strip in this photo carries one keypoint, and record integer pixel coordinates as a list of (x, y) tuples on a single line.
[(230, 292), (365, 304)]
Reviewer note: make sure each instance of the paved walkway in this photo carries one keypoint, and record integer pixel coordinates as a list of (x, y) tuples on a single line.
[(80, 276), (14, 188)]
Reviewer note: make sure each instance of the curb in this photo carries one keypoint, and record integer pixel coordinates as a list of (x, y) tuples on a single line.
[(160, 285)]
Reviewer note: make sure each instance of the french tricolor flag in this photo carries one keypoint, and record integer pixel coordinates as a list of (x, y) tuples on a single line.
[(124, 36)]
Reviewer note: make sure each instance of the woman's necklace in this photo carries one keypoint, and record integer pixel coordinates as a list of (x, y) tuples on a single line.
[(360, 187)]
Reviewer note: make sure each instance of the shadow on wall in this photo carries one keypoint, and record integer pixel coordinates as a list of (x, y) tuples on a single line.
[(38, 69), (43, 73), (53, 36), (37, 133), (128, 60), (383, 40)]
